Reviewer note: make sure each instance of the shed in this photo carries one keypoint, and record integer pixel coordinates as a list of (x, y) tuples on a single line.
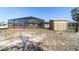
[(59, 25)]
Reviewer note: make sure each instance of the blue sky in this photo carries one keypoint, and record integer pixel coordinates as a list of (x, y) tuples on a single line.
[(47, 13)]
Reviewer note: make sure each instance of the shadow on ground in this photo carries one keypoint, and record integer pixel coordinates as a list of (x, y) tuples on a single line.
[(29, 46)]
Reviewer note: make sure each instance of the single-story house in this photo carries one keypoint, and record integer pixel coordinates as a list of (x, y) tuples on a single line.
[(26, 22)]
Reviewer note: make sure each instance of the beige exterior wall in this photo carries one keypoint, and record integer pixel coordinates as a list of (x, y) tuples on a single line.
[(59, 25), (1, 27), (46, 25)]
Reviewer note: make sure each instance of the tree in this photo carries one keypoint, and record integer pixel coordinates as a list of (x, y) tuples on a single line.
[(75, 16)]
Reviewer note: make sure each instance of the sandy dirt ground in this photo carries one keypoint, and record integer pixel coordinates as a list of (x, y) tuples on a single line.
[(38, 40)]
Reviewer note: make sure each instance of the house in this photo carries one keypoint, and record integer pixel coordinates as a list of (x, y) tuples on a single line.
[(26, 22), (72, 25), (3, 25), (46, 25)]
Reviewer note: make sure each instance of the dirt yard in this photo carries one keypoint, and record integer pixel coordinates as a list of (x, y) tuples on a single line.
[(38, 40)]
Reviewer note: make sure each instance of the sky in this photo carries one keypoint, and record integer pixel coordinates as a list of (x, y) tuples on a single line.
[(46, 13)]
